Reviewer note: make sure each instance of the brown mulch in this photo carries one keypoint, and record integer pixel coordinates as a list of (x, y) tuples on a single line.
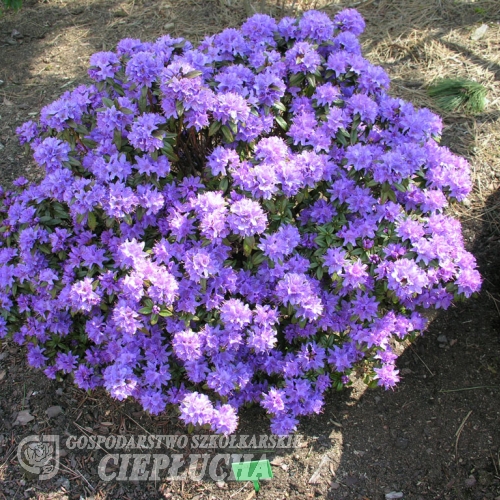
[(438, 434)]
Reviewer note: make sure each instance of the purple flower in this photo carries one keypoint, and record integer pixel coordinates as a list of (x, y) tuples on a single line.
[(103, 65), (210, 215), (468, 281), (66, 362), (27, 132), (196, 409), (235, 312), (274, 401), (36, 357), (362, 105), (224, 420), (283, 424), (200, 264), (335, 260), (387, 376), (406, 278), (145, 135), (143, 69), (187, 345), (84, 377), (280, 244), (230, 107), (82, 295), (153, 401), (51, 153), (350, 20), (316, 26), (247, 218), (268, 88), (354, 274), (260, 28), (220, 158), (302, 58)]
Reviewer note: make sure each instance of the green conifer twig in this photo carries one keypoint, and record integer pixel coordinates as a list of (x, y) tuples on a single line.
[(454, 94)]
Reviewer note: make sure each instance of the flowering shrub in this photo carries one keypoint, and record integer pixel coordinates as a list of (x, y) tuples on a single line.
[(247, 221)]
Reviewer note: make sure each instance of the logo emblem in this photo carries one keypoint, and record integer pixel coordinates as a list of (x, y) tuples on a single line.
[(39, 455)]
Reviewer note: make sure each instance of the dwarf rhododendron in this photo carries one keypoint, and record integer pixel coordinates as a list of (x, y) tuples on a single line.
[(246, 221)]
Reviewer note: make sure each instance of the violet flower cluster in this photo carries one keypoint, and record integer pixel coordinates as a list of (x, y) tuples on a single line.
[(245, 221)]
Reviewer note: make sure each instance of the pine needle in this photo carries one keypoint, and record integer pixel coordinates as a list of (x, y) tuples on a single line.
[(458, 94), (12, 4)]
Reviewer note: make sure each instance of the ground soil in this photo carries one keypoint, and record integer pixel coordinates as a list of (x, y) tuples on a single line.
[(437, 435)]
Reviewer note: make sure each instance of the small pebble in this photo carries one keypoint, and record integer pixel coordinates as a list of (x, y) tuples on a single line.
[(53, 411), (442, 339), (394, 494), (64, 483), (402, 443), (470, 481)]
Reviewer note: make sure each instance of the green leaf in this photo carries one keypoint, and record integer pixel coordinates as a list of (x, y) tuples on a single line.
[(281, 122), (193, 74), (227, 134), (91, 221), (297, 79), (145, 310), (159, 134), (143, 101), (167, 146), (248, 245), (233, 127), (108, 102), (179, 107), (81, 130), (168, 151), (341, 138), (278, 105), (224, 184), (88, 143), (117, 139), (354, 136), (258, 258), (214, 128)]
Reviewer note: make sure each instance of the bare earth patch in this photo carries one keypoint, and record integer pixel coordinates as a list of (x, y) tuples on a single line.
[(437, 436)]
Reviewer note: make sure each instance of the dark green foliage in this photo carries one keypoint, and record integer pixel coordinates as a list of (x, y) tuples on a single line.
[(456, 94), (12, 4)]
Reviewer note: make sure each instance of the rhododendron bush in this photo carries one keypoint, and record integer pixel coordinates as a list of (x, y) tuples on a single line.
[(247, 221)]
